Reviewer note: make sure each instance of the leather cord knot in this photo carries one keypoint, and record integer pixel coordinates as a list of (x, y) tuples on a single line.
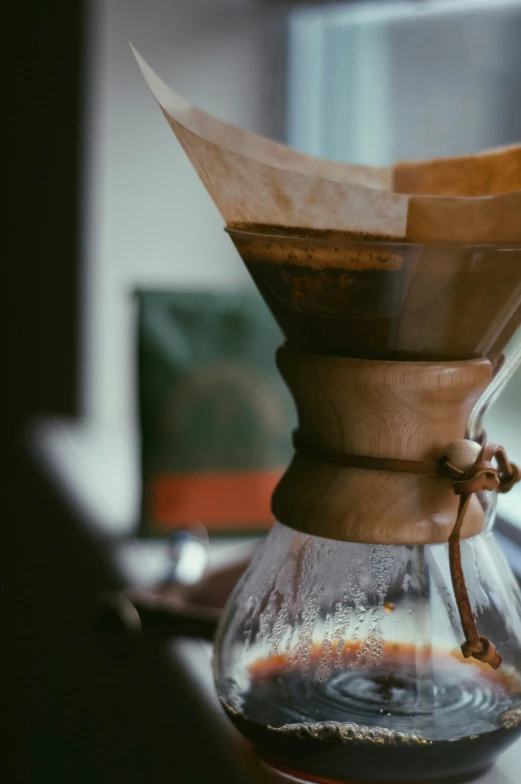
[(484, 651)]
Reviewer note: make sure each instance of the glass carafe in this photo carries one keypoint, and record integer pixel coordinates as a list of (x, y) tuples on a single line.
[(340, 651)]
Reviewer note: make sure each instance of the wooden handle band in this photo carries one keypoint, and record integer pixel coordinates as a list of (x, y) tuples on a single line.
[(394, 418)]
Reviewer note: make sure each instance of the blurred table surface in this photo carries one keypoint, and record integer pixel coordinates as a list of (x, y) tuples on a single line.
[(95, 473)]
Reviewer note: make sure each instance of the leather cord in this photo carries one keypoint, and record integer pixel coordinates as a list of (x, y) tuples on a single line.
[(481, 475), (325, 455)]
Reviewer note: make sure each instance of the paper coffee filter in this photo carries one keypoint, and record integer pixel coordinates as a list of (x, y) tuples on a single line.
[(255, 181)]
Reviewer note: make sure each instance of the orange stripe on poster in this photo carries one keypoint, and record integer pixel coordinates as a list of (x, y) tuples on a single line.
[(227, 499)]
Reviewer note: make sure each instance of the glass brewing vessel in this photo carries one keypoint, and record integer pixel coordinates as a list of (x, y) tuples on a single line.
[(341, 660)]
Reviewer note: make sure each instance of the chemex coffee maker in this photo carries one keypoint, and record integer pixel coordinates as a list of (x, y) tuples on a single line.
[(376, 635)]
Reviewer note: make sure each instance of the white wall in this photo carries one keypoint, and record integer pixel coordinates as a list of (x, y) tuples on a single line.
[(148, 219)]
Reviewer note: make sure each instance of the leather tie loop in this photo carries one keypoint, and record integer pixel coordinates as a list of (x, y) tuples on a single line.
[(481, 475), (507, 482)]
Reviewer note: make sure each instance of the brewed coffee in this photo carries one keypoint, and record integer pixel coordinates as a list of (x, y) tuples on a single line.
[(384, 724), (331, 294)]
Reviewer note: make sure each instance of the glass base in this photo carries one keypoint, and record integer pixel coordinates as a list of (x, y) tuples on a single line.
[(279, 774)]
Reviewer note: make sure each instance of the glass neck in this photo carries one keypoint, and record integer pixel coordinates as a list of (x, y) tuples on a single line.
[(504, 372)]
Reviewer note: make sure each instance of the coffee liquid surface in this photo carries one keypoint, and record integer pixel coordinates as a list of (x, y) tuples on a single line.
[(382, 724)]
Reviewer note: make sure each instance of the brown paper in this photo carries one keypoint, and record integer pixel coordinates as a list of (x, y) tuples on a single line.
[(252, 180), (490, 173)]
